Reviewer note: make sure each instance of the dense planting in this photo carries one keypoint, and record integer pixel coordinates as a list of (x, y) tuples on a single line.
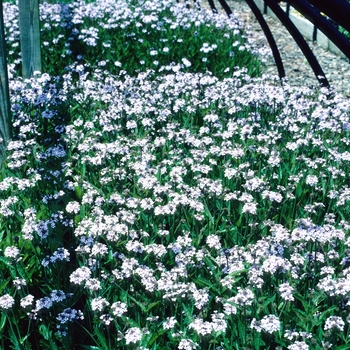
[(157, 195)]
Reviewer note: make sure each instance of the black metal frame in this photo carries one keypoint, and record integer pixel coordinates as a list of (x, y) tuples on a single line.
[(336, 10)]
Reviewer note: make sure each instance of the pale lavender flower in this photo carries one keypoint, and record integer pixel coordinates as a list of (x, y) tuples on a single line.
[(57, 295), (69, 315)]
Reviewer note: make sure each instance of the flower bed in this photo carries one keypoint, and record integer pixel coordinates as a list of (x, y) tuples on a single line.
[(157, 195)]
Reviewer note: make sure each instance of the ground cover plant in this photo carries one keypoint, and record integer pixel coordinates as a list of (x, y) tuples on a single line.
[(159, 194)]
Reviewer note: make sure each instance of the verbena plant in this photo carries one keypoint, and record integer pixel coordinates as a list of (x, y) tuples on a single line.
[(177, 204)]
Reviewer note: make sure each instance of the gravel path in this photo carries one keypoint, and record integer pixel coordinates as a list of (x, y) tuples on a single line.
[(298, 71)]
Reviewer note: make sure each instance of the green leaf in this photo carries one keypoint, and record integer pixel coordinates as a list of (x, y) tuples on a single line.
[(264, 305), (5, 261), (143, 308), (152, 305), (3, 320), (343, 347), (89, 347), (45, 332), (242, 331), (78, 192), (257, 340), (101, 338), (15, 341), (21, 272), (156, 336), (4, 284)]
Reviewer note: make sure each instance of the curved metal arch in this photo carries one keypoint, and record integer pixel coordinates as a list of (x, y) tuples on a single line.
[(312, 13), (337, 10), (264, 27), (283, 17), (269, 37), (301, 42)]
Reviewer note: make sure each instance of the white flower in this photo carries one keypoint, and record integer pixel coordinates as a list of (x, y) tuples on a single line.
[(6, 302), (311, 180), (27, 301), (98, 304), (229, 309), (270, 324), (203, 328), (11, 252), (93, 284), (186, 62), (18, 282), (131, 124), (286, 291), (106, 319), (73, 207), (272, 196), (99, 249), (213, 241), (201, 298), (169, 323), (298, 345), (80, 275), (249, 208), (244, 297), (186, 344), (218, 322), (118, 308), (133, 335), (335, 323)]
